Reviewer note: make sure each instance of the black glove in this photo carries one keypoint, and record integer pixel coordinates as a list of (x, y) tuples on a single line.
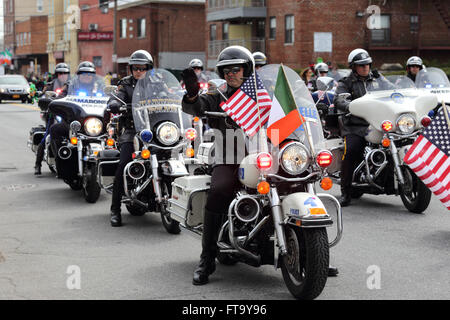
[(114, 106), (375, 73), (190, 82), (322, 106)]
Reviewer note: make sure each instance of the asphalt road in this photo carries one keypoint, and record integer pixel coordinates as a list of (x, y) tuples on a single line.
[(54, 245)]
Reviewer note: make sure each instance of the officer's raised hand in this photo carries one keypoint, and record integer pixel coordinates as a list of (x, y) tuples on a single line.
[(190, 82)]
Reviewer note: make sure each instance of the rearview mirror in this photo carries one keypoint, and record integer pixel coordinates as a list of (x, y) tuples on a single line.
[(109, 90), (50, 94), (216, 85), (325, 83)]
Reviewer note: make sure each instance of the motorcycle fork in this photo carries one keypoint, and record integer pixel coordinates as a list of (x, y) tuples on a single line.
[(278, 223), (395, 157), (156, 179)]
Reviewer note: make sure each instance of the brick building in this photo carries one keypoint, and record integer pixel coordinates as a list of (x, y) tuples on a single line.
[(172, 31), (298, 32), (95, 38), (31, 50), (9, 37)]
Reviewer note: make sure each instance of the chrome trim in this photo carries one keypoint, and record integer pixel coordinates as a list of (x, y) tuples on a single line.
[(340, 225), (312, 174), (308, 160)]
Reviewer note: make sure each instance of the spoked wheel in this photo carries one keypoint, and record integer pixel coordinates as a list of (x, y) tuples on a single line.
[(91, 189), (414, 193), (305, 267), (171, 225)]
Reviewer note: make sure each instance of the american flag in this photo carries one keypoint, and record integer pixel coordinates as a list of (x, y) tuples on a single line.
[(241, 106), (428, 157)]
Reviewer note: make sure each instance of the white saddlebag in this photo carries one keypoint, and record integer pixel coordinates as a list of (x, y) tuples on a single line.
[(185, 191)]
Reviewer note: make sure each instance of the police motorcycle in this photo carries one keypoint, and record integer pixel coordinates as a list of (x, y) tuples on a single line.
[(163, 137), (38, 133), (397, 112), (84, 112), (435, 81), (276, 218), (323, 99)]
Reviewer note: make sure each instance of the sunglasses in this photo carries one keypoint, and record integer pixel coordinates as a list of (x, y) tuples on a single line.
[(414, 66), (86, 74), (138, 68), (197, 68), (233, 70)]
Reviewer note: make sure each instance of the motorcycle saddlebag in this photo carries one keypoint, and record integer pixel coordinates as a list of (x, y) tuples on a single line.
[(36, 134), (187, 204)]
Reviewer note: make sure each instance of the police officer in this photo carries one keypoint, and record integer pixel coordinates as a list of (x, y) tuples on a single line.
[(260, 59), (62, 72), (140, 62), (320, 70), (413, 66), (354, 128), (234, 64)]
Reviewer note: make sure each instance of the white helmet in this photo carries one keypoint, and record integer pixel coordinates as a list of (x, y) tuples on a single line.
[(196, 63), (260, 58), (359, 56), (320, 67), (414, 61)]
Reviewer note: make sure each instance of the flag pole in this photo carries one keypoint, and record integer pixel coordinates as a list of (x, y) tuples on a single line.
[(446, 114), (261, 133), (306, 123)]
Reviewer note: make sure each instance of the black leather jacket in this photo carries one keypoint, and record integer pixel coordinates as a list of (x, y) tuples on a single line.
[(211, 103), (356, 86), (125, 93)]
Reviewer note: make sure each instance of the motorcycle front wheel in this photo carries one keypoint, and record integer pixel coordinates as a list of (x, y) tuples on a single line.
[(91, 189), (169, 224), (305, 266), (414, 193)]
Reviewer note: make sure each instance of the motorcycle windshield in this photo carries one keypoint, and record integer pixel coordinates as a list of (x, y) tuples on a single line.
[(156, 99), (391, 83), (431, 78), (303, 99), (205, 76), (86, 85)]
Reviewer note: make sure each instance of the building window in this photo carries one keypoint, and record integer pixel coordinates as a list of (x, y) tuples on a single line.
[(40, 5), (25, 40), (141, 28), (414, 23), (289, 29), (261, 29), (123, 28), (10, 5), (225, 30), (272, 27), (212, 32), (29, 37), (383, 34), (97, 60)]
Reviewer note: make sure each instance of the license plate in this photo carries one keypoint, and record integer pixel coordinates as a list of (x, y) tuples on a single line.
[(16, 96)]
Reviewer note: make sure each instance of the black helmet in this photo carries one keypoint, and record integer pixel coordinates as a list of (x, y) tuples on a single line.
[(260, 58), (62, 68), (86, 66), (359, 56), (234, 55), (141, 57)]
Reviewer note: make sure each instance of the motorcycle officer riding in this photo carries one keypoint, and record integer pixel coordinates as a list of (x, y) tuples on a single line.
[(413, 65), (354, 128), (140, 62), (62, 72), (260, 59)]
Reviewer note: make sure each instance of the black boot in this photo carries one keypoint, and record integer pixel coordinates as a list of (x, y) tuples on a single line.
[(332, 271), (345, 198), (37, 170), (116, 219), (207, 265)]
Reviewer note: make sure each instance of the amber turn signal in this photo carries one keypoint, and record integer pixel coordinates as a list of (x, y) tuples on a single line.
[(110, 142), (386, 142), (74, 140), (190, 152), (326, 183), (145, 154), (263, 187)]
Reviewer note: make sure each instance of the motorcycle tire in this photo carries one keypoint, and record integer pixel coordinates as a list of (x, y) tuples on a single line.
[(91, 188), (75, 184), (305, 266), (415, 194), (171, 226), (136, 210)]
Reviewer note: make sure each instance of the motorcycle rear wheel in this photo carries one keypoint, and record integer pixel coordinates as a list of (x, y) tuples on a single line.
[(414, 194), (305, 267)]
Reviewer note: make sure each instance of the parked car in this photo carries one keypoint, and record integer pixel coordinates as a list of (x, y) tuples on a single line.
[(14, 87)]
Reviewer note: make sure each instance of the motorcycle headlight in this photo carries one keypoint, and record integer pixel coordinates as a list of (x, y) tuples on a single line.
[(93, 126), (168, 133), (294, 158), (406, 123)]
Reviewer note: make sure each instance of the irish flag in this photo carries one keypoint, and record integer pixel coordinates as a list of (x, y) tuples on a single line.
[(284, 116)]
